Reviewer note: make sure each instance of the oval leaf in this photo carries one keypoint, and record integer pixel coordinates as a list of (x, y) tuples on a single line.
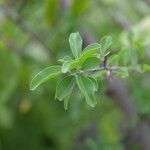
[(75, 41), (44, 75), (92, 46), (89, 51), (87, 87), (91, 63), (113, 60), (105, 43), (95, 83), (64, 87)]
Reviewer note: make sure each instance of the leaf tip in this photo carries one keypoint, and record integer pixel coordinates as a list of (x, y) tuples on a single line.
[(32, 87)]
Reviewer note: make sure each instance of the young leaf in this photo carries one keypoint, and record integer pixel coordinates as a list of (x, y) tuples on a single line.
[(64, 87), (91, 63), (66, 58), (75, 63), (113, 60), (128, 55), (105, 44), (75, 41), (123, 72), (88, 52), (66, 66), (100, 74), (87, 87), (92, 47), (121, 54), (44, 75)]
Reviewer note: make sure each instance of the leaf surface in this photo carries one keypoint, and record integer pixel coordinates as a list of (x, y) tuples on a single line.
[(105, 44), (75, 41), (45, 75), (87, 87), (64, 87)]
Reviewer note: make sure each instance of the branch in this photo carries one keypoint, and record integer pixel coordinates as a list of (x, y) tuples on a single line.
[(115, 88)]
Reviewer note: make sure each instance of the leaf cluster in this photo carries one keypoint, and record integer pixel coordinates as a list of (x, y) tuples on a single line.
[(83, 68)]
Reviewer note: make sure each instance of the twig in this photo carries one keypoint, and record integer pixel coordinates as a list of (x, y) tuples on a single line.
[(119, 91)]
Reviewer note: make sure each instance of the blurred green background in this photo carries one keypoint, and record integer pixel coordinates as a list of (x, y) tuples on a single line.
[(33, 35)]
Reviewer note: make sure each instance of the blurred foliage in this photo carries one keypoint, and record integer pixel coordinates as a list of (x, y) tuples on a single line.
[(34, 120)]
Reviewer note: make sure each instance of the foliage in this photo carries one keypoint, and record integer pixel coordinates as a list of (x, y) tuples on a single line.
[(34, 35), (73, 69)]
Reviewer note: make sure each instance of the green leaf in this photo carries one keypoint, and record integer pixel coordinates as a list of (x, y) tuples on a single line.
[(64, 87), (89, 51), (75, 63), (128, 56), (90, 99), (105, 44), (75, 41), (146, 67), (107, 53), (45, 75), (113, 60), (94, 46), (87, 87), (66, 66), (122, 72), (66, 100), (95, 83), (100, 74), (66, 58), (121, 54), (91, 63)]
